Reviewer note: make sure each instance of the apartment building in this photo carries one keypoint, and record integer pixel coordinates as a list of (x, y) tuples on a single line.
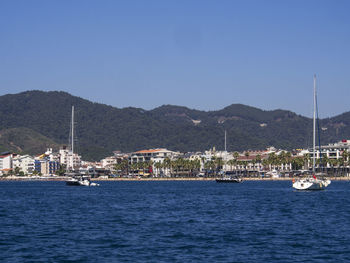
[(46, 167), (6, 162), (154, 155), (71, 160), (24, 162)]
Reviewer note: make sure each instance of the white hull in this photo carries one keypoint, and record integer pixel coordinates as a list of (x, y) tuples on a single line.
[(311, 184)]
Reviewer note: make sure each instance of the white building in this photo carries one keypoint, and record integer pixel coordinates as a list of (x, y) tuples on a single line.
[(6, 163), (71, 160), (109, 162), (154, 155), (25, 163), (331, 151), (157, 156)]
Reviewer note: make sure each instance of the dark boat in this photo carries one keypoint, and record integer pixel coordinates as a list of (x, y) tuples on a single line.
[(80, 181), (231, 179), (76, 178), (73, 182)]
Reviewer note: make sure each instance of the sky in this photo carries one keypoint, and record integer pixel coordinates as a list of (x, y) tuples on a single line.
[(200, 54)]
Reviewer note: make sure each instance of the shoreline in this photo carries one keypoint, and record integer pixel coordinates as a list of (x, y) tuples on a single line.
[(61, 178)]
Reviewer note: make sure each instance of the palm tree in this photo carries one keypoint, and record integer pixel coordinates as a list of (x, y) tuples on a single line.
[(197, 165), (231, 163), (246, 154), (288, 158), (345, 156), (61, 170), (17, 170), (188, 165), (219, 163), (133, 167), (167, 165), (307, 160), (258, 159), (207, 166), (235, 155), (325, 161), (146, 166), (333, 162), (202, 161), (140, 167), (124, 166), (157, 166), (273, 160), (297, 163)]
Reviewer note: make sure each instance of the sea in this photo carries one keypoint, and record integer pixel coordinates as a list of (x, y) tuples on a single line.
[(173, 221)]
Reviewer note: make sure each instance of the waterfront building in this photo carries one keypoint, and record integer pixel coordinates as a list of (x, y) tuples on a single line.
[(154, 155), (68, 158), (261, 160), (25, 163), (52, 156), (6, 162), (46, 167), (331, 151), (213, 154), (198, 156), (109, 162)]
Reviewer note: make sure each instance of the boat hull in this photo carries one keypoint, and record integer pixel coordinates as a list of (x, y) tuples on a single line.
[(80, 182), (310, 184), (73, 183), (229, 180)]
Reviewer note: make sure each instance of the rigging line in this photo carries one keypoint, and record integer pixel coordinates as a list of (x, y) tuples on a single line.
[(318, 132)]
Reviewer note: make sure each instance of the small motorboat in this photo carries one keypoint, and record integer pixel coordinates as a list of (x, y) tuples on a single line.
[(230, 179), (80, 181)]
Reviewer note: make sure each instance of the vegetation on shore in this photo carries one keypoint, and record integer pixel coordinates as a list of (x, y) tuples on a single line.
[(43, 118), (191, 168)]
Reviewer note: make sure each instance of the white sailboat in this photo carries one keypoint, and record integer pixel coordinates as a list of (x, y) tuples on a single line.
[(312, 182), (75, 179)]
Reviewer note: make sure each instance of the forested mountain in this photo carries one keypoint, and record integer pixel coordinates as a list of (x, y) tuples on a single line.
[(32, 120)]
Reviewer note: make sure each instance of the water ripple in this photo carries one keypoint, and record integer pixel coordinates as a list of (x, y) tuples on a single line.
[(173, 222)]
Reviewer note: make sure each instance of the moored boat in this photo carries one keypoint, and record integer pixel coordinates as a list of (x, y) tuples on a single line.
[(312, 182), (76, 179), (229, 180), (80, 181)]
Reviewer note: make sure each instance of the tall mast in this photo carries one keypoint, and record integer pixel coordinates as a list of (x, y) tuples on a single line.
[(314, 129), (225, 140), (72, 147)]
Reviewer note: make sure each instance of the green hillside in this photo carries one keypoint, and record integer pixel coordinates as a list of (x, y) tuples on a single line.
[(24, 140), (101, 129)]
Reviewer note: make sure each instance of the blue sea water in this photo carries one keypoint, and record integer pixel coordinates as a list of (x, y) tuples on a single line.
[(187, 221)]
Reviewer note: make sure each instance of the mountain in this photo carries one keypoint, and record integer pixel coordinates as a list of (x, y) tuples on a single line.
[(43, 118), (24, 140)]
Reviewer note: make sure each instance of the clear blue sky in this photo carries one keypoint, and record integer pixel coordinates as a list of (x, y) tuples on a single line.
[(200, 54)]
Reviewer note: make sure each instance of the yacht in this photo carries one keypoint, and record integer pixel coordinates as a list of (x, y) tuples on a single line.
[(311, 183), (230, 179), (314, 182), (76, 179), (80, 181)]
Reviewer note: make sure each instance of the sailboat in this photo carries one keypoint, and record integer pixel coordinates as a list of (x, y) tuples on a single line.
[(75, 179), (311, 182), (226, 177)]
